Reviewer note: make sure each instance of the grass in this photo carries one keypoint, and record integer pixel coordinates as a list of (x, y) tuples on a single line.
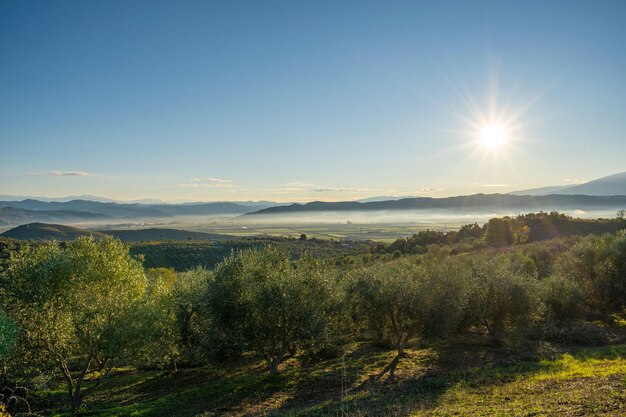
[(460, 380)]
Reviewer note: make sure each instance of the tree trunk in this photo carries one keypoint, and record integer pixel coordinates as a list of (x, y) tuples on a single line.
[(274, 368), (75, 402), (75, 395), (172, 367), (273, 363)]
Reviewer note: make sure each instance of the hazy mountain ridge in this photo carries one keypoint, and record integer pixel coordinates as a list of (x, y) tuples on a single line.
[(475, 201), (134, 210), (14, 215), (610, 185)]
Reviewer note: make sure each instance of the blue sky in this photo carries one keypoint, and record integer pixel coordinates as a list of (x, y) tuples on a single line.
[(307, 100)]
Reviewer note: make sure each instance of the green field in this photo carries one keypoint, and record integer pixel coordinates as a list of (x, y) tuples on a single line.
[(339, 231), (473, 380)]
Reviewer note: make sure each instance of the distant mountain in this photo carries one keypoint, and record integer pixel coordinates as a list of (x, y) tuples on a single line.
[(142, 201), (12, 216), (555, 189), (382, 198), (135, 210), (5, 197), (43, 231), (612, 185), (486, 202)]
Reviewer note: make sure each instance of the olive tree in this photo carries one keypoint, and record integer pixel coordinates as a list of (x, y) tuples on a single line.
[(8, 333), (598, 265), (387, 299), (259, 300), (404, 300), (192, 320), (76, 306), (157, 313), (562, 298), (500, 295)]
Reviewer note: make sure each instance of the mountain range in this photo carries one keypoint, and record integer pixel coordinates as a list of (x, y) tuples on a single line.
[(26, 211), (603, 193), (470, 202)]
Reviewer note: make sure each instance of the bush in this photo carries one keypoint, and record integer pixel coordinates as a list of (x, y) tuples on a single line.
[(579, 333), (499, 297), (562, 298), (598, 265), (80, 301), (259, 300)]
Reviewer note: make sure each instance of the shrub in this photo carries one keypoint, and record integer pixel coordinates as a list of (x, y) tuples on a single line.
[(580, 333), (598, 265), (259, 300), (499, 297), (562, 298), (76, 304)]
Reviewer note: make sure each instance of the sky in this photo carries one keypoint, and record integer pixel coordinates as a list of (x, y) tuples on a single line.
[(302, 100)]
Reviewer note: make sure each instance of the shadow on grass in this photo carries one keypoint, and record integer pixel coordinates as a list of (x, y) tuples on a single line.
[(315, 389), (421, 384)]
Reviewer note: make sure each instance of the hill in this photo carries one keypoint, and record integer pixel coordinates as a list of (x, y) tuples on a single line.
[(474, 202), (611, 185), (144, 235), (43, 231)]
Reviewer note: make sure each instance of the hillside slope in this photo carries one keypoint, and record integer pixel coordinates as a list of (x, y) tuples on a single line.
[(611, 185), (43, 231), (142, 235)]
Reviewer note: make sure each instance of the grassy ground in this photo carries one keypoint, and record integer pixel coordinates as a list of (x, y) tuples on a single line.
[(461, 380)]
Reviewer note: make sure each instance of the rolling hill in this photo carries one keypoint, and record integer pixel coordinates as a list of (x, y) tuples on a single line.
[(144, 235), (43, 231)]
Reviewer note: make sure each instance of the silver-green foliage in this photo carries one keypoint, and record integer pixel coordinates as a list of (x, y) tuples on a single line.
[(262, 301), (8, 333), (77, 304)]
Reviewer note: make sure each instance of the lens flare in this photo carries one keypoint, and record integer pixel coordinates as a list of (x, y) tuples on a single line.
[(493, 136)]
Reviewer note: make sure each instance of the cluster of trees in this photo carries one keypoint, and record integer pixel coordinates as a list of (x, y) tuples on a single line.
[(503, 231), (81, 308), (183, 256)]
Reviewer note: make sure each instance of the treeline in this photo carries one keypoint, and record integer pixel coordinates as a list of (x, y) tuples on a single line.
[(503, 231), (182, 256), (75, 311)]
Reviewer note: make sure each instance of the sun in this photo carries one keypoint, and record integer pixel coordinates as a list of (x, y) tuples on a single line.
[(494, 136)]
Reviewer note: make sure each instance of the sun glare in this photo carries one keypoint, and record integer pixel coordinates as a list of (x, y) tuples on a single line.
[(493, 136)]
